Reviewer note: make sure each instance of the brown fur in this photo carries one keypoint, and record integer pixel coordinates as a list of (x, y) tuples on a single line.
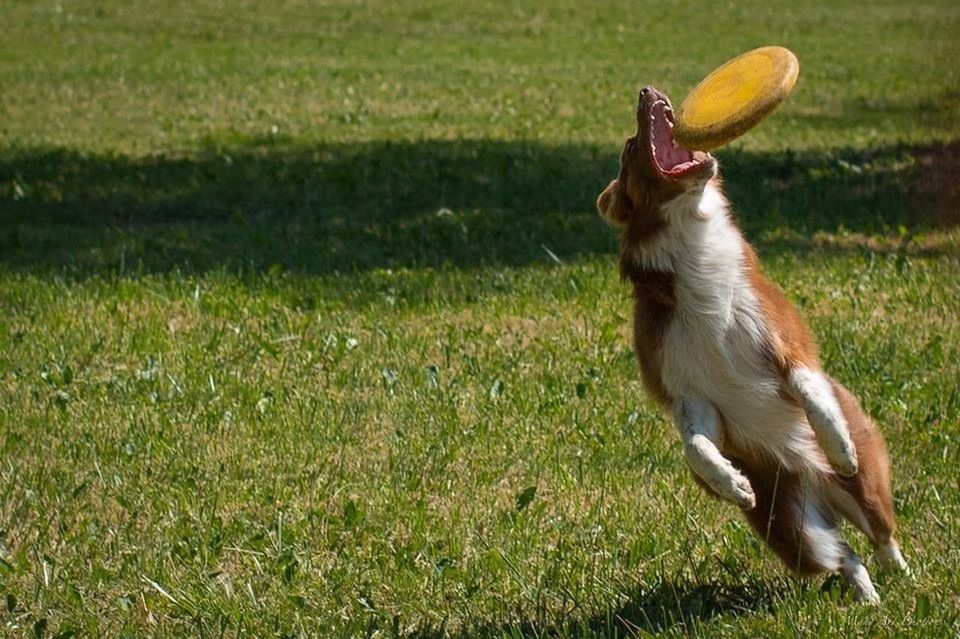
[(870, 487), (774, 518), (634, 202), (653, 304), (791, 343)]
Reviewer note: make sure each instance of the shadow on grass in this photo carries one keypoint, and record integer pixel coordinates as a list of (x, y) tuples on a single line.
[(655, 609), (324, 210)]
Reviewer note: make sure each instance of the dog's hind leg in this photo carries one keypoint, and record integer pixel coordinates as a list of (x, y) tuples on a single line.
[(865, 499), (848, 498), (799, 524), (857, 577)]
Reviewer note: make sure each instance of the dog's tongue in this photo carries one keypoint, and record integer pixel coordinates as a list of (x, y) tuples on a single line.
[(671, 158)]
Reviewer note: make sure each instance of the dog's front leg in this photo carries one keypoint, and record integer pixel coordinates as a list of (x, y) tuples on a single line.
[(699, 425), (813, 390)]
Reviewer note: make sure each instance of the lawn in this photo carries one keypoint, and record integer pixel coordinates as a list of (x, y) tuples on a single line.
[(309, 326)]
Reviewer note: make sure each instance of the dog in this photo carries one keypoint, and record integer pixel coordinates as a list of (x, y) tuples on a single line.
[(723, 351)]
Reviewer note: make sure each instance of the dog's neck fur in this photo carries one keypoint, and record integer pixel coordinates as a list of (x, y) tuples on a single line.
[(690, 234), (696, 268)]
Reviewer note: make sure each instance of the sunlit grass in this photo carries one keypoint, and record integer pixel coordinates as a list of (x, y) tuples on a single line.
[(309, 327)]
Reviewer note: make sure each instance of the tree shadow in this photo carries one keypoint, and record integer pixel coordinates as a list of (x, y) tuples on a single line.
[(340, 208), (786, 200)]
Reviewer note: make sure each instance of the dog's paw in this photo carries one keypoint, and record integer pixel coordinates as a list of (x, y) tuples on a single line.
[(866, 595), (857, 578), (891, 559), (844, 461), (742, 493)]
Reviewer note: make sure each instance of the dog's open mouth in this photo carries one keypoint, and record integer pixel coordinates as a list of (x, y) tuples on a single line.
[(672, 160)]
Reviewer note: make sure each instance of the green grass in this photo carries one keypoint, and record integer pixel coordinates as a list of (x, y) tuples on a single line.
[(310, 329)]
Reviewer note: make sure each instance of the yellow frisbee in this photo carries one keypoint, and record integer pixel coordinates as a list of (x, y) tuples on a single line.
[(735, 97)]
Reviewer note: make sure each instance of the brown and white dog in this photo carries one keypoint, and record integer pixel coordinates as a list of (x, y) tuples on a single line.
[(721, 347)]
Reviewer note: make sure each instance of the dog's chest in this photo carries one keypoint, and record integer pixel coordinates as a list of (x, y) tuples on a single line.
[(720, 358), (712, 346)]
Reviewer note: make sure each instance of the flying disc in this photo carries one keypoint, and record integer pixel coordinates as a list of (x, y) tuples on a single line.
[(735, 97)]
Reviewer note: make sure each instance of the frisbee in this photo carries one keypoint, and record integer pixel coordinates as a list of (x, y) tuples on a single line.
[(735, 97)]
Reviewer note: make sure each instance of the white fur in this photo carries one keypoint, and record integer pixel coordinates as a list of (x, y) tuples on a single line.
[(830, 551), (713, 346), (729, 396), (823, 538), (824, 415), (699, 425), (858, 578), (891, 558), (844, 502), (887, 553)]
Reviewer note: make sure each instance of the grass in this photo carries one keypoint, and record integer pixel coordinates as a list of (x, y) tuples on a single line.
[(309, 327)]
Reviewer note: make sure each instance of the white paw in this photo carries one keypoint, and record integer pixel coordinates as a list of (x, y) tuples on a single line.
[(890, 558), (742, 493), (858, 579), (866, 595), (844, 461)]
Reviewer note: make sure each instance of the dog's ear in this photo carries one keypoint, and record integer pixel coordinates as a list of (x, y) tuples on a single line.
[(611, 205)]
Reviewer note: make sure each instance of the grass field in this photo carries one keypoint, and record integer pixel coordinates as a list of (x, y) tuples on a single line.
[(309, 327)]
